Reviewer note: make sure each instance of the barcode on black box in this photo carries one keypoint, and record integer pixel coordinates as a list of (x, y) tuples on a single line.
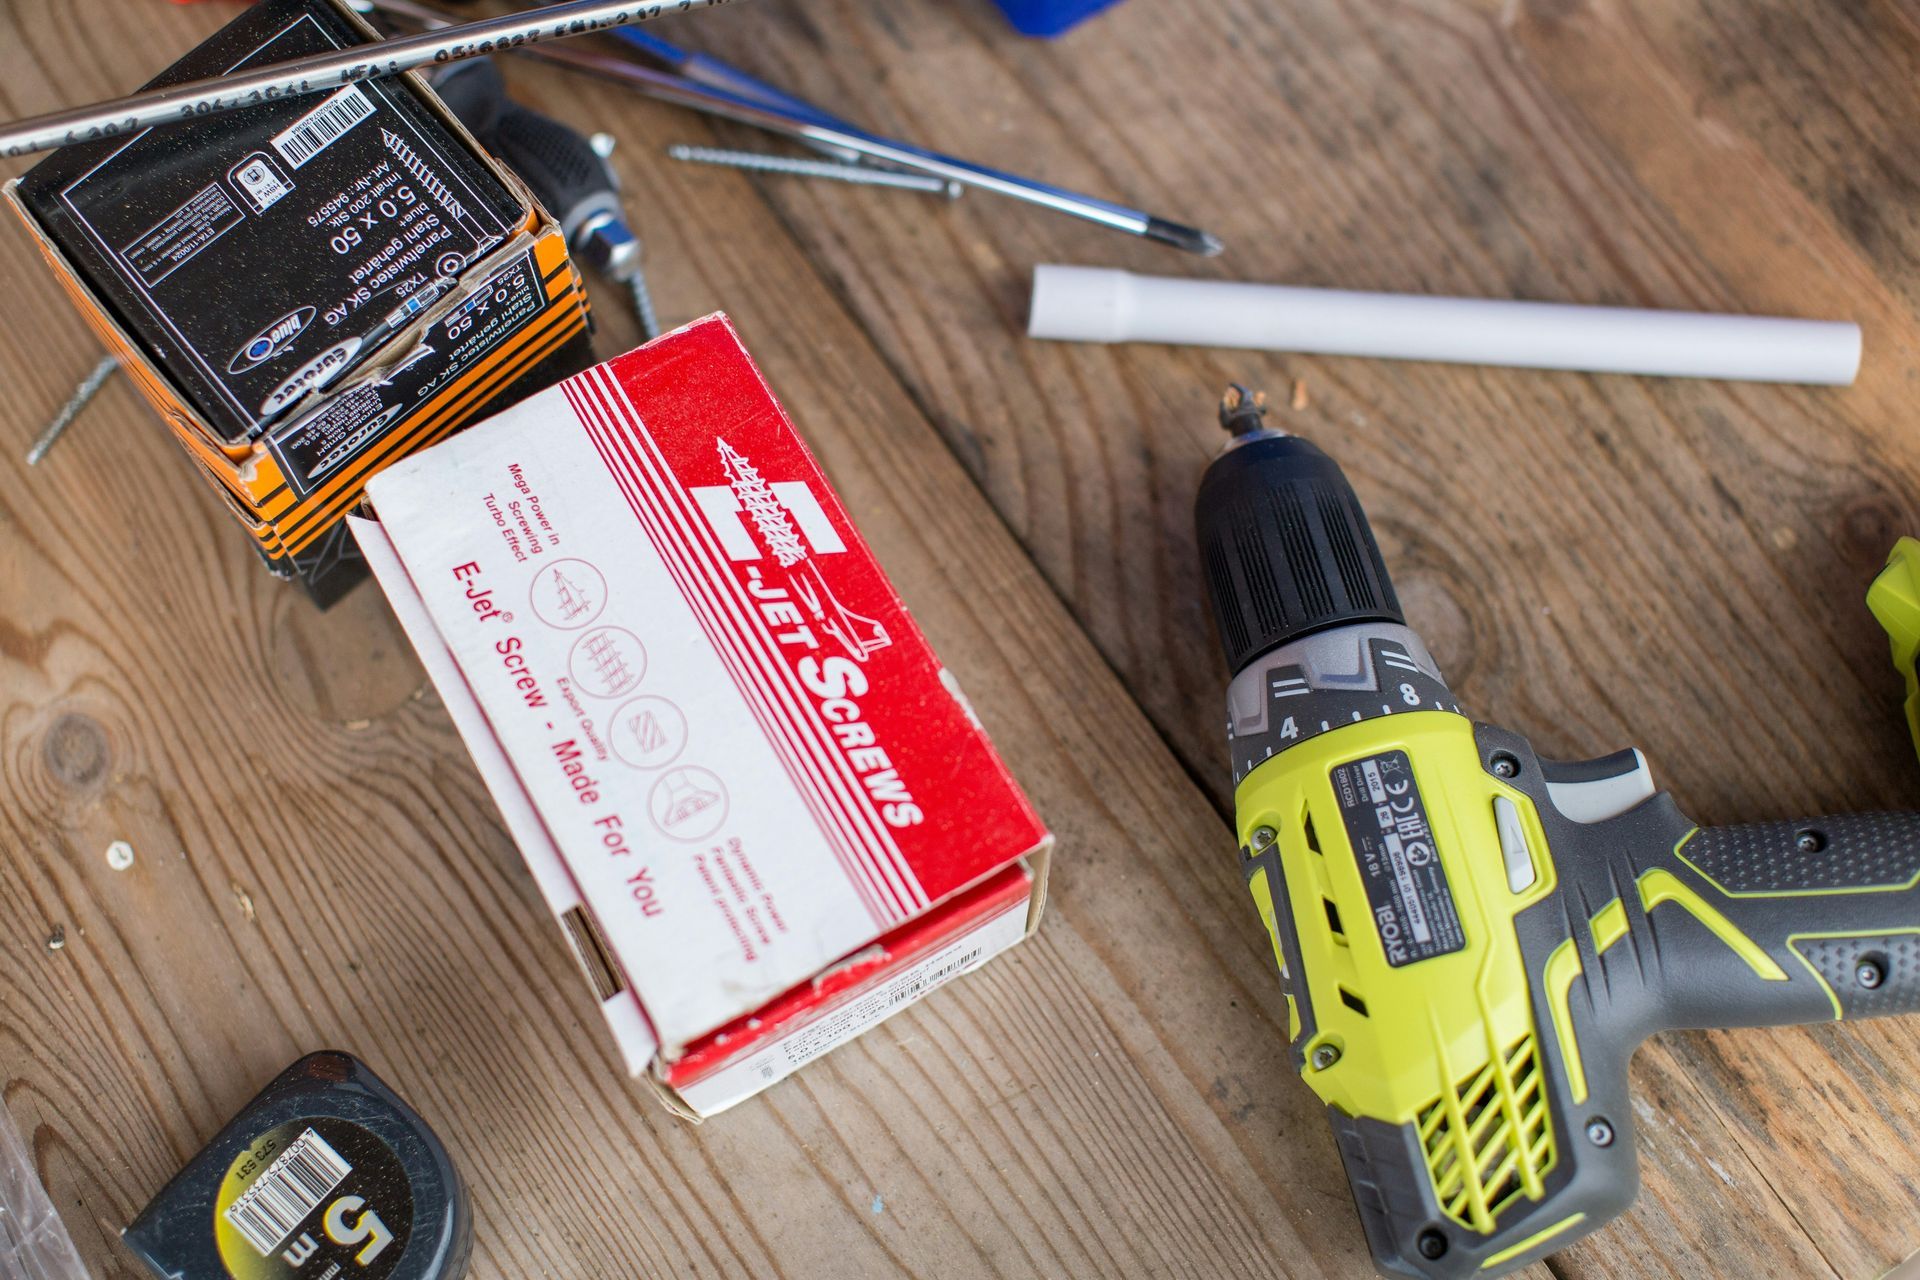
[(293, 1185), (321, 127)]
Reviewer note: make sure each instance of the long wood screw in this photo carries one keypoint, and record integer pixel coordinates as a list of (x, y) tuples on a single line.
[(89, 388), (862, 175)]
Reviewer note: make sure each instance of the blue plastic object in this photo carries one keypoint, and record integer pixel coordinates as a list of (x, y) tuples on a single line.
[(1050, 17)]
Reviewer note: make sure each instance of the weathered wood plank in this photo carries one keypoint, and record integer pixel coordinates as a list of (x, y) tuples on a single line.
[(1597, 561), (316, 864)]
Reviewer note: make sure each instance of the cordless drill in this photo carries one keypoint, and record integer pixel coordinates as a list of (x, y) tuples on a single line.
[(1474, 939)]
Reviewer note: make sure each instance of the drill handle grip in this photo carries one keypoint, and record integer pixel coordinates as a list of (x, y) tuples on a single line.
[(1782, 922)]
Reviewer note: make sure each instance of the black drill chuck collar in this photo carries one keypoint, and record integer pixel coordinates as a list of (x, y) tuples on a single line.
[(1286, 549)]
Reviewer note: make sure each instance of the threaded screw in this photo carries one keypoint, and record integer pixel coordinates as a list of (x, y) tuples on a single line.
[(643, 303), (862, 175), (89, 388)]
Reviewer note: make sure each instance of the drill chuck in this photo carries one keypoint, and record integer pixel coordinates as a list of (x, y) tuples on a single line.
[(1287, 549)]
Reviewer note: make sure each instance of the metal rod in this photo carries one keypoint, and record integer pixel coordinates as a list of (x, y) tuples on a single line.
[(321, 72), (845, 138), (670, 88), (705, 69), (840, 138)]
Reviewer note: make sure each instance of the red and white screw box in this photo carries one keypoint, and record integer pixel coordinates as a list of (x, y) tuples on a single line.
[(759, 805)]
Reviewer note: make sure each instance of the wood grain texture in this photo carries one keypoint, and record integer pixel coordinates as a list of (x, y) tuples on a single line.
[(1596, 561)]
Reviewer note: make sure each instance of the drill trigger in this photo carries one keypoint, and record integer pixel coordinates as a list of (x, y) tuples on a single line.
[(1589, 791)]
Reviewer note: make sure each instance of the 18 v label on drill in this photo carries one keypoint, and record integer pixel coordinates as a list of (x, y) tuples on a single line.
[(1386, 819)]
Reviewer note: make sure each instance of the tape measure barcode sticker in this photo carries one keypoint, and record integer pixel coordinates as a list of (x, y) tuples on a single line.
[(290, 1189)]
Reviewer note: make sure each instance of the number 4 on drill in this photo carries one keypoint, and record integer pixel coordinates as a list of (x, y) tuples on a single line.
[(1475, 939)]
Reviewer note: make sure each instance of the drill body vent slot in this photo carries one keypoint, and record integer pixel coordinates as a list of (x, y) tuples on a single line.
[(1489, 1141)]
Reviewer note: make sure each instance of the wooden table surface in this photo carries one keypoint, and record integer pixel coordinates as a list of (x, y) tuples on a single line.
[(1596, 561)]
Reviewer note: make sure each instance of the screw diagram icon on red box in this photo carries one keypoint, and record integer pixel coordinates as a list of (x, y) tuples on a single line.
[(568, 594)]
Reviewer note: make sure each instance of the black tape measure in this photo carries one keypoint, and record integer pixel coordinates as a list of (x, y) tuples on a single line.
[(326, 1174)]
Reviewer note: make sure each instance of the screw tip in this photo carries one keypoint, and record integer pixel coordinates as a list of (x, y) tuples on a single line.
[(1192, 239)]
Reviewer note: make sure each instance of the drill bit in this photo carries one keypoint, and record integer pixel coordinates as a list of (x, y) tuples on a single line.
[(1241, 410)]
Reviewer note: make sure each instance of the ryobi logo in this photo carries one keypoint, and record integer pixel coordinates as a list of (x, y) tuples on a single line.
[(272, 340)]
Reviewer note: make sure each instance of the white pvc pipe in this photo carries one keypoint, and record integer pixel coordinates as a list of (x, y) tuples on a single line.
[(1089, 304)]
